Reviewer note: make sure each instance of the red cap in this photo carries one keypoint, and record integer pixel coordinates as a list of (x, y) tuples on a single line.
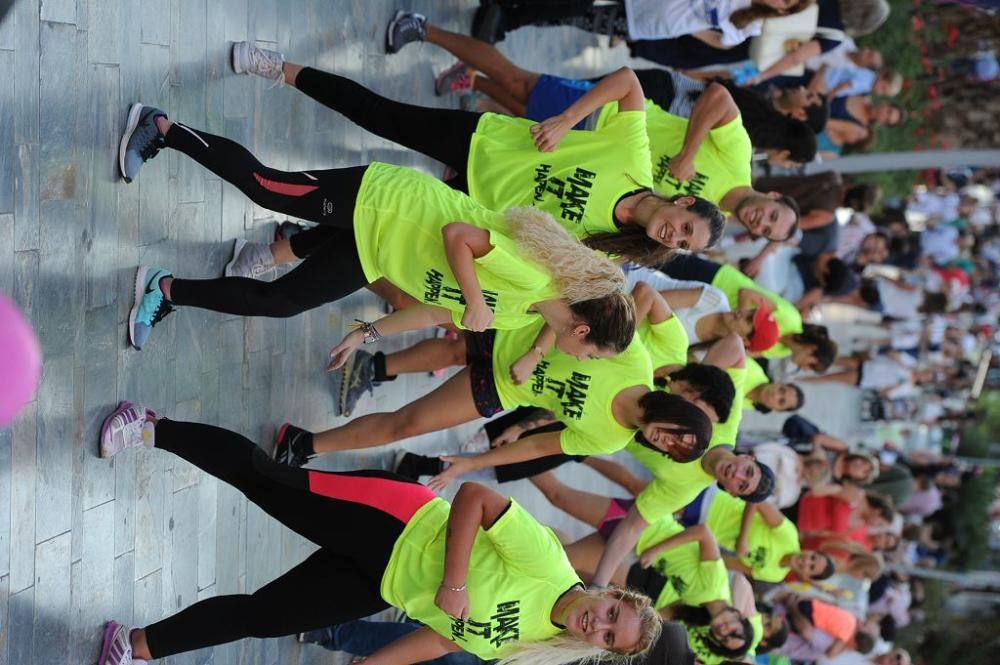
[(765, 331)]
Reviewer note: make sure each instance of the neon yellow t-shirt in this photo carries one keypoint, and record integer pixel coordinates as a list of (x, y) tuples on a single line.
[(689, 579), (517, 571), (730, 280), (398, 219), (579, 183), (722, 163), (667, 342), (676, 484), (578, 392), (755, 378), (767, 546)]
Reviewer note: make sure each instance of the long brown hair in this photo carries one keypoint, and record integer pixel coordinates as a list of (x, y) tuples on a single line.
[(741, 18)]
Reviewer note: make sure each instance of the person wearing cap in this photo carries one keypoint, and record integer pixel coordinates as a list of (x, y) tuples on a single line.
[(705, 313)]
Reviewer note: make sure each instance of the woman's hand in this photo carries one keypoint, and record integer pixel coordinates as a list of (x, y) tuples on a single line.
[(681, 167), (509, 435), (478, 316), (522, 368), (340, 353), (457, 466), (453, 603), (549, 132)]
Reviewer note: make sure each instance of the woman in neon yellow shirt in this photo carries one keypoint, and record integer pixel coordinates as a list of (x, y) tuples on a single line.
[(482, 575), (598, 184), (603, 399), (465, 264)]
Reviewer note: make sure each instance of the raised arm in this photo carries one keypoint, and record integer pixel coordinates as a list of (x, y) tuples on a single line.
[(708, 547), (530, 447), (463, 244), (649, 304), (621, 86), (728, 351), (475, 507), (714, 108), (617, 473), (526, 364), (622, 539), (797, 57), (417, 317)]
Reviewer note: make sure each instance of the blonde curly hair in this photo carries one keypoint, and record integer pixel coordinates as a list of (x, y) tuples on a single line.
[(580, 273), (565, 649)]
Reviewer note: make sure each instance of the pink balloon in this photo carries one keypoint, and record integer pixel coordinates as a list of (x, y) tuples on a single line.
[(20, 361)]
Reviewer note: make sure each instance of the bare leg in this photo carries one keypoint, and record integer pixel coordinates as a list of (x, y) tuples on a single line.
[(518, 83), (585, 554), (848, 376), (427, 356), (499, 94), (587, 507), (449, 405), (140, 649)]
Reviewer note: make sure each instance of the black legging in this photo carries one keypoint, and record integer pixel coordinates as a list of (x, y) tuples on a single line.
[(332, 269), (443, 134), (338, 583)]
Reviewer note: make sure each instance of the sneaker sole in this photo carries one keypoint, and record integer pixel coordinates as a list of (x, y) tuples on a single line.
[(244, 48), (140, 288), (105, 445), (237, 248), (389, 48), (133, 121), (109, 631), (277, 440)]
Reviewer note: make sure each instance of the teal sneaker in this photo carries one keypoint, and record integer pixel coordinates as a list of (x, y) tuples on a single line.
[(150, 306)]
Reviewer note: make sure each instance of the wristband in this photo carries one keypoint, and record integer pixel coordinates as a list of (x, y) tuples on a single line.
[(370, 332), (455, 589)]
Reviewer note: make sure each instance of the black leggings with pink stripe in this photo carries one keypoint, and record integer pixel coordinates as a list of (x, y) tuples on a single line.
[(354, 517), (327, 197)]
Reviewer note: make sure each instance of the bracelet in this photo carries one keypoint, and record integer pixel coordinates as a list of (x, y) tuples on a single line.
[(455, 589), (369, 330)]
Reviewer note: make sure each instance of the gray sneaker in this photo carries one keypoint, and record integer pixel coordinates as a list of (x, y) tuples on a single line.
[(405, 27), (358, 377), (250, 259), (250, 59)]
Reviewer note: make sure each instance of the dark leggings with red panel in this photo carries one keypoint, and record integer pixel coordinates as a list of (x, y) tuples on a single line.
[(354, 517), (327, 197)]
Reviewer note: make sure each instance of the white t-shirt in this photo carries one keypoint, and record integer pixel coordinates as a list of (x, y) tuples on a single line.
[(711, 300), (897, 302), (663, 19)]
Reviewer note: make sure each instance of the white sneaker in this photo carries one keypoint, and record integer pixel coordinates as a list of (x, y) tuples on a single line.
[(126, 427), (250, 259), (249, 59), (477, 443)]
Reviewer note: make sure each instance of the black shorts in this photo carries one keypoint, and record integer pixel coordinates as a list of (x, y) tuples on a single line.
[(479, 358)]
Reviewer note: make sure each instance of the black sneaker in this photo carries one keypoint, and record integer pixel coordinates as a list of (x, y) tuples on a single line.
[(293, 446), (412, 466), (404, 28)]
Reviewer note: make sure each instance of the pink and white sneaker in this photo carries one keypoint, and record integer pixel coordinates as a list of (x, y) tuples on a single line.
[(126, 427), (116, 649)]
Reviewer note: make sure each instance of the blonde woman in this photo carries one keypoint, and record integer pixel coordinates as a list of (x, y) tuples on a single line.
[(465, 264), (481, 574)]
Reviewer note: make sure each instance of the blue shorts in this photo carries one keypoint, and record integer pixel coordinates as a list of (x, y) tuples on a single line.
[(553, 94)]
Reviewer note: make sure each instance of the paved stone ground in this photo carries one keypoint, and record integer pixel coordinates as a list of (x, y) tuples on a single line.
[(139, 537)]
